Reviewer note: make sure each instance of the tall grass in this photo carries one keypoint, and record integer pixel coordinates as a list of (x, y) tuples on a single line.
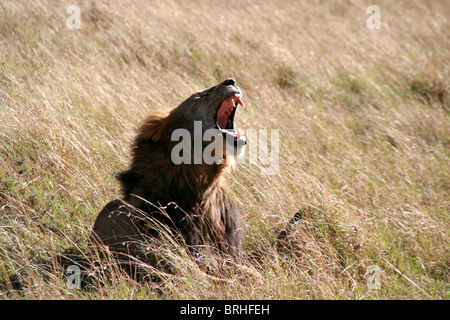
[(364, 139)]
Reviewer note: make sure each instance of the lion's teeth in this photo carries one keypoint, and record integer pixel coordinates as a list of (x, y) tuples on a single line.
[(231, 132), (237, 100)]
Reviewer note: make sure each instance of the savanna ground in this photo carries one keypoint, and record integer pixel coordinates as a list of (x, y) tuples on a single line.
[(363, 117)]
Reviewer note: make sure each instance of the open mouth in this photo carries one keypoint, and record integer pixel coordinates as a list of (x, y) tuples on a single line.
[(225, 117)]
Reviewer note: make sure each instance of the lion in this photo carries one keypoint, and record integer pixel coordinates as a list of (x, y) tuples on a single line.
[(189, 199)]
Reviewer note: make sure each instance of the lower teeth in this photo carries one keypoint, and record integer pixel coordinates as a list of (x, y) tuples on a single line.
[(231, 132)]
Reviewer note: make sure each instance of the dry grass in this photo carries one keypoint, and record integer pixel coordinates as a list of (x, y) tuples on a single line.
[(364, 139)]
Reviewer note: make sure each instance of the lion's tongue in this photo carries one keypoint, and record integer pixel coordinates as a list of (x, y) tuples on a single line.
[(225, 110)]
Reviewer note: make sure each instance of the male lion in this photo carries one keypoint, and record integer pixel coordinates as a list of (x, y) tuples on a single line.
[(188, 199)]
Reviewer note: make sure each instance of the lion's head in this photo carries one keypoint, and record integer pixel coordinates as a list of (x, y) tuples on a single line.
[(205, 116), (216, 108)]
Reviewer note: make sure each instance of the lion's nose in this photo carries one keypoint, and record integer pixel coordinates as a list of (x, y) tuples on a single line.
[(229, 82)]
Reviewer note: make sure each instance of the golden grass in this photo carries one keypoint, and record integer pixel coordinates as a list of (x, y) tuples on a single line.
[(364, 138)]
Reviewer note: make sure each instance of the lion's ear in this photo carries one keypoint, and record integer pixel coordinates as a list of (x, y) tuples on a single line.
[(154, 126)]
